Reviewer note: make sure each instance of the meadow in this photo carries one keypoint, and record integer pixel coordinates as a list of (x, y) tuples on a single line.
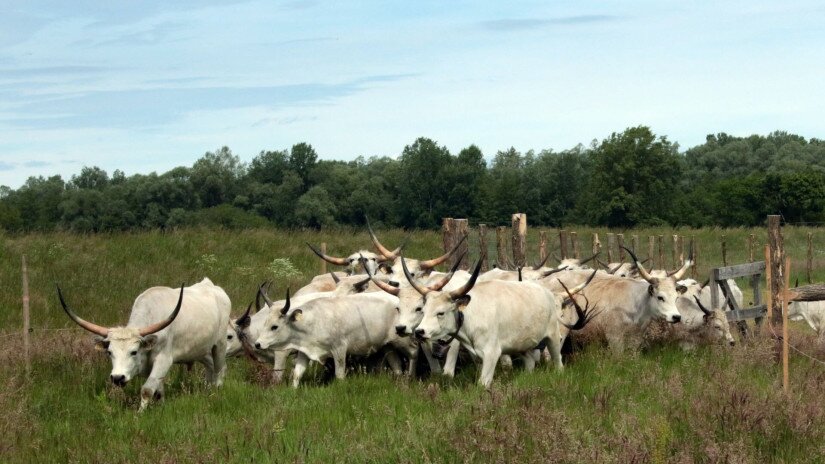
[(717, 404)]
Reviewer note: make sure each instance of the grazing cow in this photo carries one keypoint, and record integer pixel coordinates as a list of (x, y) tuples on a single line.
[(334, 327), (703, 292), (194, 332), (813, 312), (629, 305), (492, 318), (699, 326), (364, 258), (420, 268)]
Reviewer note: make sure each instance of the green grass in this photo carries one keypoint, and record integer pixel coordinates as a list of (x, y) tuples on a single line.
[(662, 405)]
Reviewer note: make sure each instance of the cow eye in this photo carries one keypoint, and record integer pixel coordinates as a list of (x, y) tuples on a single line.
[(274, 327), (109, 352), (229, 337), (133, 353), (661, 298), (398, 309), (440, 314), (419, 309)]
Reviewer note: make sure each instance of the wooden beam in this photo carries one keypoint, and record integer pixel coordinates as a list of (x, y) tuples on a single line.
[(739, 270), (785, 381)]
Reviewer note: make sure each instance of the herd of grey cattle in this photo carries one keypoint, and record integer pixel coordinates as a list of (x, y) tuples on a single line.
[(384, 303)]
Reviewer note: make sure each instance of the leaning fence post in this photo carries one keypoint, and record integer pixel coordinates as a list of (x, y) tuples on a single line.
[(750, 247), (501, 247), (620, 244), (675, 254), (574, 239), (810, 264), (482, 246), (519, 226), (26, 320)]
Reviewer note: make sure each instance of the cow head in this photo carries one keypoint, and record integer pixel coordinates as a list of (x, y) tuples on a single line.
[(574, 264), (715, 324), (278, 327), (662, 292), (239, 333), (127, 347), (442, 312), (363, 258)]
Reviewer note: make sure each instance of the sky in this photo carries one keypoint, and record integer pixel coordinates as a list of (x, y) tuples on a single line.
[(148, 86)]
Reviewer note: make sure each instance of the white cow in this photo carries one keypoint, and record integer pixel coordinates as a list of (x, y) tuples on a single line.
[(704, 293), (492, 318), (699, 326), (194, 332), (334, 327), (813, 312)]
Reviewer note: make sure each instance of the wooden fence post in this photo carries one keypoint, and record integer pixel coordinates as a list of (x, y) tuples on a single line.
[(661, 262), (501, 248), (810, 264), (461, 230), (751, 239), (482, 246), (323, 268), (785, 384), (26, 318), (620, 246), (675, 254), (611, 244), (634, 244), (542, 245), (777, 244), (574, 239), (597, 245), (724, 250), (681, 250), (651, 255), (563, 243), (768, 282), (519, 230)]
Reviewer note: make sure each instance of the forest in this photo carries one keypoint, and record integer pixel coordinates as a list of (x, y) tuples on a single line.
[(631, 178)]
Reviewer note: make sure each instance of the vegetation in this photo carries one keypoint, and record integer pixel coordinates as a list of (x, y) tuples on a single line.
[(629, 179), (662, 405)]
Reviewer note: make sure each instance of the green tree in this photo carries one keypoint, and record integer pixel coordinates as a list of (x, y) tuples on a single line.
[(314, 209)]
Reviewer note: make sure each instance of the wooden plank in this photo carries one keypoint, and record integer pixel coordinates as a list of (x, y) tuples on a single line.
[(542, 245), (611, 245), (695, 249), (724, 250), (746, 314), (739, 270), (651, 242), (634, 244), (814, 292), (661, 264), (768, 280), (597, 245), (731, 303)]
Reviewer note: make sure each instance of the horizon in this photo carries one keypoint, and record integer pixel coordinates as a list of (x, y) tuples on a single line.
[(146, 88)]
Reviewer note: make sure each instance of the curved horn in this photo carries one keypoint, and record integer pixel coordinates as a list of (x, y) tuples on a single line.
[(688, 262), (150, 329), (705, 283), (613, 271), (704, 310), (444, 280), (553, 271), (603, 264), (383, 285), (419, 289), (244, 320), (457, 293), (584, 316), (335, 278), (542, 263), (589, 259), (642, 271), (431, 263), (381, 248), (263, 291), (581, 286), (328, 258), (93, 328), (285, 309)]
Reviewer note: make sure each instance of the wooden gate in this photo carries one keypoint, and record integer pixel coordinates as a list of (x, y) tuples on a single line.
[(718, 281)]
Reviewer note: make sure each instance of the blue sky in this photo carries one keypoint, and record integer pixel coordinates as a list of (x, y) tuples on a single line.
[(149, 86)]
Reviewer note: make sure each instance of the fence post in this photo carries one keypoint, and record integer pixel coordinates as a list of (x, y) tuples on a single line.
[(768, 282), (542, 245), (651, 255), (620, 245), (574, 239), (461, 230), (501, 247), (675, 254), (26, 318), (810, 265), (693, 247), (777, 244), (634, 244), (597, 245), (563, 243), (611, 244), (482, 246), (519, 230), (661, 263), (681, 250), (323, 268), (785, 384), (724, 250)]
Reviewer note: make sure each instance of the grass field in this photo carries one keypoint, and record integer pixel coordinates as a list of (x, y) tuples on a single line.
[(661, 405)]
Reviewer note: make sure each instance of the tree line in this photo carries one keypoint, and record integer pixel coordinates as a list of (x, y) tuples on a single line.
[(631, 178)]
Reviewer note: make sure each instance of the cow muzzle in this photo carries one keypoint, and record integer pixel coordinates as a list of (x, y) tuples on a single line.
[(401, 330), (118, 380), (421, 334), (674, 318)]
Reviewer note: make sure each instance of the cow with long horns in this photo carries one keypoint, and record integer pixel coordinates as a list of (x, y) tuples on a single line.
[(154, 339)]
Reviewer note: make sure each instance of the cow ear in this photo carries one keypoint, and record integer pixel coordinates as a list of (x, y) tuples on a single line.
[(462, 301), (681, 288), (296, 315), (650, 290), (148, 342), (101, 344)]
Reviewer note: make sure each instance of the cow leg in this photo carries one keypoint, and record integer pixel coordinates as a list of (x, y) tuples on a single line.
[(452, 358), (209, 368), (279, 365), (301, 362), (435, 367), (554, 345), (529, 361), (219, 360), (340, 358), (160, 367), (392, 359), (506, 361), (489, 360)]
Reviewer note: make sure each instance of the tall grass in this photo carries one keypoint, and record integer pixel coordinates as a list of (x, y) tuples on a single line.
[(662, 405)]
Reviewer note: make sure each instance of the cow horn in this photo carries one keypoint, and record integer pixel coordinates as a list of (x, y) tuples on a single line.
[(150, 329), (285, 309), (411, 280), (589, 259), (519, 274), (335, 278), (542, 263), (603, 264), (581, 286), (383, 285), (584, 316), (553, 271), (93, 328), (688, 262), (263, 292), (613, 271), (244, 320), (704, 310), (705, 283), (642, 271), (328, 258), (431, 263), (390, 255), (444, 280), (457, 293)]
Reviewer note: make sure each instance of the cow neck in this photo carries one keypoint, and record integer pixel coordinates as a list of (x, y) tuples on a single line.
[(459, 322)]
